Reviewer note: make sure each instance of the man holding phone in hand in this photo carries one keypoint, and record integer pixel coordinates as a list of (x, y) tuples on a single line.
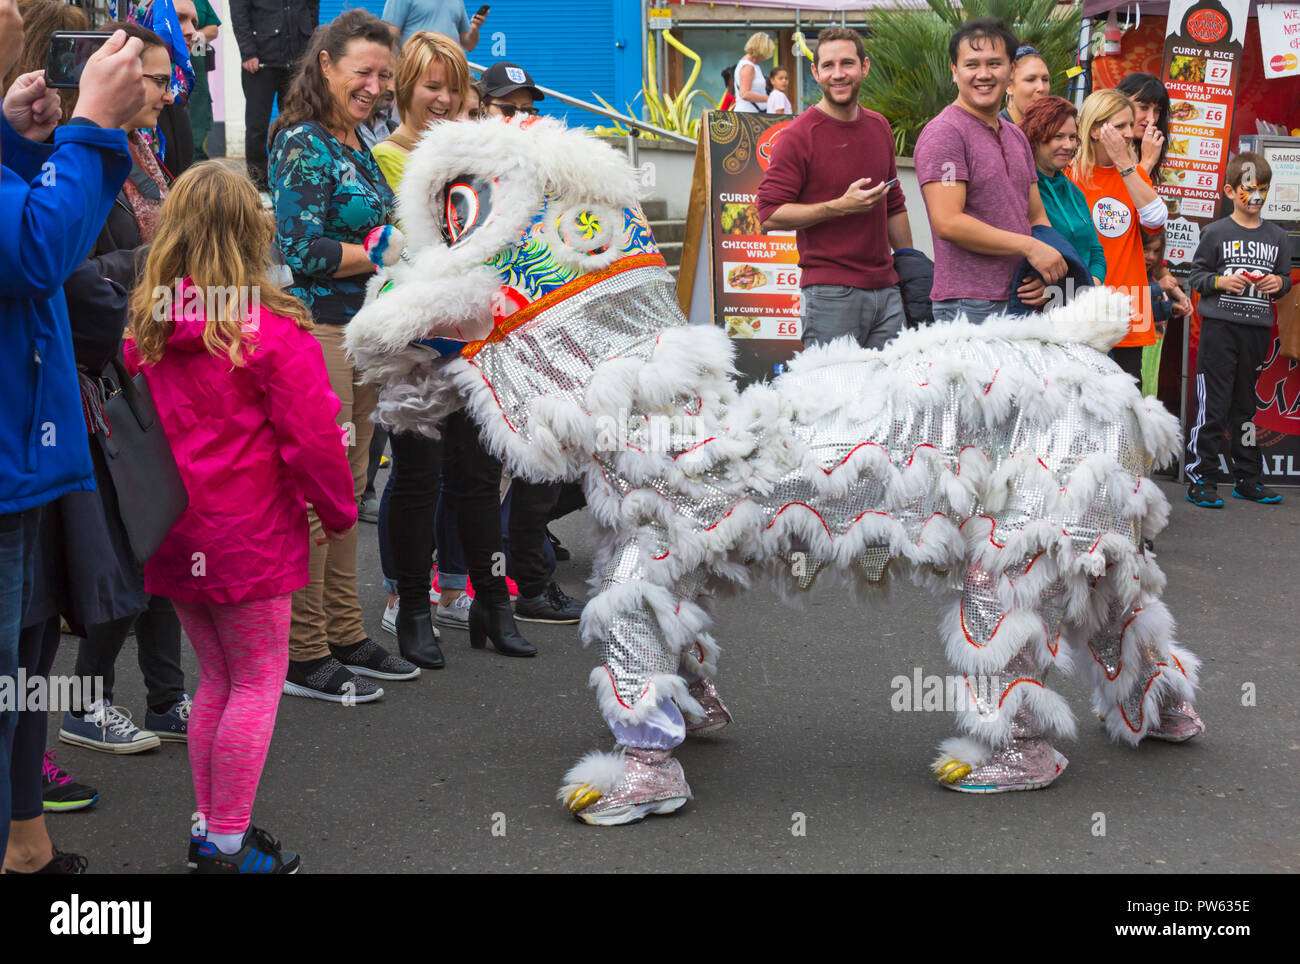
[(833, 180), (447, 17)]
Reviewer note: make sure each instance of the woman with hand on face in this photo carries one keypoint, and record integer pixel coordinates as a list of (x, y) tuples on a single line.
[(1123, 204), (329, 195), (1150, 119), (1030, 82), (1051, 125)]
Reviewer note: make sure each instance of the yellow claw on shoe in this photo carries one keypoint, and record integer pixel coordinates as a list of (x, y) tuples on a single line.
[(582, 798), (951, 771)]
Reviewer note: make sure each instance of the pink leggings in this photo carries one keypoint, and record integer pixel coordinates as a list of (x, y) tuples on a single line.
[(243, 651)]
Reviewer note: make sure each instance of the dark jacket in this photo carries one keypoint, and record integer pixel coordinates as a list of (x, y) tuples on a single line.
[(1076, 279), (119, 249), (83, 567), (915, 279), (49, 224), (274, 31)]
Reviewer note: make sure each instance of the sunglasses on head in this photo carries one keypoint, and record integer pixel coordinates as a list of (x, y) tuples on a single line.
[(509, 110)]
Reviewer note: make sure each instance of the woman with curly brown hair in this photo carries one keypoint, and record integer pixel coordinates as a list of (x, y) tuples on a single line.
[(329, 195)]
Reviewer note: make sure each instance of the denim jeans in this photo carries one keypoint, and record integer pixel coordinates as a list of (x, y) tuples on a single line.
[(976, 310), (871, 316), (17, 568)]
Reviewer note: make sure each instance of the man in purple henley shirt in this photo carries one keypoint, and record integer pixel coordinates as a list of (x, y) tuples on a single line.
[(980, 186)]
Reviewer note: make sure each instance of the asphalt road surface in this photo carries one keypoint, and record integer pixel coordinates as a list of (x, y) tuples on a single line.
[(457, 771)]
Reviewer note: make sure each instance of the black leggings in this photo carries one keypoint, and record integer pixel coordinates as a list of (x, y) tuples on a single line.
[(412, 501), (36, 648), (474, 482)]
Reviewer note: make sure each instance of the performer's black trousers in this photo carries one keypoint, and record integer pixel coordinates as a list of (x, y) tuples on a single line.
[(1227, 367)]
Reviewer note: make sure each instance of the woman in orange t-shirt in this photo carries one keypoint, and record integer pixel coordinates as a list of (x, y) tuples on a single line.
[(1122, 203)]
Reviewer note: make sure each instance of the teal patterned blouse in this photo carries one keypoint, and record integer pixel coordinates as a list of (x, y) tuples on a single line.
[(325, 195)]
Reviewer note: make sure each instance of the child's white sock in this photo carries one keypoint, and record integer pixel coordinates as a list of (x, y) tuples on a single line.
[(227, 843)]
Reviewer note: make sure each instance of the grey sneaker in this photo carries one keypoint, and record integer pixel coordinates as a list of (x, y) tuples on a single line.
[(455, 615), (108, 729), (368, 508)]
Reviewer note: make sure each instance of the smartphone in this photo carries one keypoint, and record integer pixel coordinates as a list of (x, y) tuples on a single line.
[(483, 11), (890, 183), (68, 53)]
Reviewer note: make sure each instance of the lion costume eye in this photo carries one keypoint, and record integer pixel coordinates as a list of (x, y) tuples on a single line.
[(467, 206)]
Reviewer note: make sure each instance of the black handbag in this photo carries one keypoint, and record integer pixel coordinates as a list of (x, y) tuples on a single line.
[(151, 495)]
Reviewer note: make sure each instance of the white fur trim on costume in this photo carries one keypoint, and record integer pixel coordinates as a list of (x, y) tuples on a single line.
[(616, 706), (963, 749), (599, 771)]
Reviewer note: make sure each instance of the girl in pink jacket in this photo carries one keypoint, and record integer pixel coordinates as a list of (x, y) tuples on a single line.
[(244, 399)]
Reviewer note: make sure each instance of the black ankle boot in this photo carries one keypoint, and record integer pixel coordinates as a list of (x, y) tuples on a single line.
[(496, 622), (416, 638)]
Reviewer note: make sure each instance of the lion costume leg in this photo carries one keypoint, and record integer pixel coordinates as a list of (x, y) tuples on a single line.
[(646, 630), (1142, 681), (1002, 652)]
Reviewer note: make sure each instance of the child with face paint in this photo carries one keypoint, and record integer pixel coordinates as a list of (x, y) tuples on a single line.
[(1241, 266)]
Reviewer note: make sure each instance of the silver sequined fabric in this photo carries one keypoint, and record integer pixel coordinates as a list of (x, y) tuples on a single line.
[(648, 776)]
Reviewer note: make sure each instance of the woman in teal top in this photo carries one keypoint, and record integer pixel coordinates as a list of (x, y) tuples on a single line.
[(1051, 125)]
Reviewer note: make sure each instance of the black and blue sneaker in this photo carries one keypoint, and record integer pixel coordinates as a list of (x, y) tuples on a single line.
[(1252, 491), (261, 854), (192, 858), (1204, 494)]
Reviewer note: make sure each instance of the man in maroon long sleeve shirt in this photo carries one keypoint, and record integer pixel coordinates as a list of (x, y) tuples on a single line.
[(830, 180)]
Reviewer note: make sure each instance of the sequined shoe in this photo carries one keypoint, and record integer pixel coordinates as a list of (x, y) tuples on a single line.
[(609, 789), (716, 715), (1026, 763), (1179, 722)]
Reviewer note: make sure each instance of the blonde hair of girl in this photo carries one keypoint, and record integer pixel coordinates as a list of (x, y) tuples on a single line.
[(211, 229), (1098, 108), (421, 49)]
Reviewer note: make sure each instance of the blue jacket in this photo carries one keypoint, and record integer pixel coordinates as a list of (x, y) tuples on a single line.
[(53, 203), (1076, 279)]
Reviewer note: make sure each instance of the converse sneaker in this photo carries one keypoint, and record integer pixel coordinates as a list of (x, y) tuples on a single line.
[(172, 726), (108, 729), (368, 658), (552, 605), (328, 679), (60, 792), (1252, 491), (455, 614), (389, 622), (1204, 494)]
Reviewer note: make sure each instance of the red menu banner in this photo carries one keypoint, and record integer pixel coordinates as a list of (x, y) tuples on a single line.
[(1203, 47), (755, 276)]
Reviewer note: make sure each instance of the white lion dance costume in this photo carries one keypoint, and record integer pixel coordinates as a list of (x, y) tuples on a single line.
[(1004, 461)]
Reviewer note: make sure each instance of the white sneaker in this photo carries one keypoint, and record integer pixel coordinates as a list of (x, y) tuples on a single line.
[(389, 622), (455, 615)]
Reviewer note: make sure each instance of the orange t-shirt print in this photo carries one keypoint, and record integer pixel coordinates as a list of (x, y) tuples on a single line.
[(1116, 221)]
